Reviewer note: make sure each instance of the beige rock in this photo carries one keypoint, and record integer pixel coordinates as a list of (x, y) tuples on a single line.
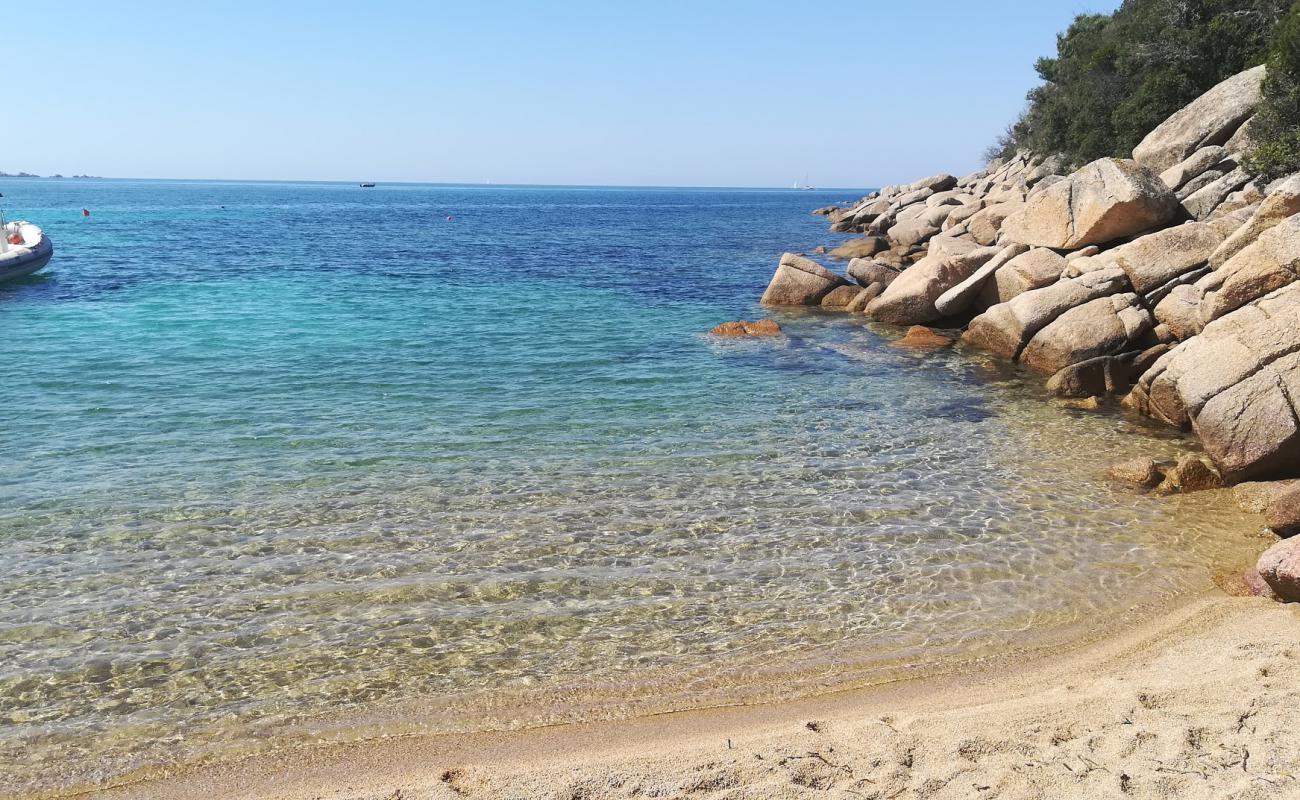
[(1270, 263), (841, 296), (866, 272), (960, 297), (869, 292), (909, 300), (1104, 201), (1180, 311), (1031, 270), (1234, 383), (1154, 260), (936, 183), (860, 248), (1210, 119), (1203, 202), (800, 281), (985, 224), (1283, 202), (1006, 328), (1282, 513), (962, 213), (1104, 326), (1193, 166)]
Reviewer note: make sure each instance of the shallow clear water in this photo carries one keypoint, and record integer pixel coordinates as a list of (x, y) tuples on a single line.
[(285, 460)]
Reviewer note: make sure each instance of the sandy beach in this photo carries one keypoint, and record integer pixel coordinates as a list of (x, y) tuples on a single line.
[(1199, 703)]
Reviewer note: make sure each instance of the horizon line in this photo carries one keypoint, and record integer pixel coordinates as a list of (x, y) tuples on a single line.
[(486, 184)]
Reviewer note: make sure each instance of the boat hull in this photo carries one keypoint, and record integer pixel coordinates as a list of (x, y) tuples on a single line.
[(22, 263)]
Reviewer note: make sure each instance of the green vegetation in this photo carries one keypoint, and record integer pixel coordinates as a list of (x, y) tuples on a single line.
[(1117, 76), (1276, 129)]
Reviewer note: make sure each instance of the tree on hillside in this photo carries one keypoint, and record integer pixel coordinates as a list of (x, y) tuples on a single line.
[(1117, 76), (1275, 131)]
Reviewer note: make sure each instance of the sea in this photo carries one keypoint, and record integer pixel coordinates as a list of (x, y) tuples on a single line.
[(291, 463)]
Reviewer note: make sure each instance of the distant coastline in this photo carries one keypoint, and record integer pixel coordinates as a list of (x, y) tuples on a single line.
[(56, 175)]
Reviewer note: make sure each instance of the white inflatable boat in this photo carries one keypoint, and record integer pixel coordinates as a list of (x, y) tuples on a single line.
[(24, 248)]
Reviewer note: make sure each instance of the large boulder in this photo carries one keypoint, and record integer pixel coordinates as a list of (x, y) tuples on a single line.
[(1210, 119), (800, 281), (1100, 327), (909, 300), (1205, 200), (1006, 328), (860, 248), (960, 297), (1034, 269), (1177, 176), (1237, 385), (1154, 260), (1282, 512), (985, 224), (936, 183), (1272, 262), (866, 272), (1282, 202), (1104, 201)]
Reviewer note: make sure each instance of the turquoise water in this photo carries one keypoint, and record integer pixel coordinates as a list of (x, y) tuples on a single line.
[(291, 461)]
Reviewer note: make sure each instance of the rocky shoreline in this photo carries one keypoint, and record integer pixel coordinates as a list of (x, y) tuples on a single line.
[(1169, 282)]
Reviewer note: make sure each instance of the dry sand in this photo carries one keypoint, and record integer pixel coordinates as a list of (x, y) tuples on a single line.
[(1201, 703)]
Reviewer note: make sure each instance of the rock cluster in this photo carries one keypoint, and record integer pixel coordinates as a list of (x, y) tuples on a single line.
[(1171, 280)]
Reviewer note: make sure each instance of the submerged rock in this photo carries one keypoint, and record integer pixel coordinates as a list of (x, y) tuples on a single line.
[(922, 338), (1192, 473), (1141, 472), (763, 327)]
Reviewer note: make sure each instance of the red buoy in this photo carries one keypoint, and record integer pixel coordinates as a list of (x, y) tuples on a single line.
[(85, 212)]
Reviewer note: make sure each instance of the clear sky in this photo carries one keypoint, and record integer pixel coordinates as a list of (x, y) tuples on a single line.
[(658, 93)]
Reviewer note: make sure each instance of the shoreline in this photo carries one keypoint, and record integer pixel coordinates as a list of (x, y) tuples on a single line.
[(1201, 656)]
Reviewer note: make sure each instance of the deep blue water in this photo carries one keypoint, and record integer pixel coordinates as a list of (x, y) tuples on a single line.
[(276, 453)]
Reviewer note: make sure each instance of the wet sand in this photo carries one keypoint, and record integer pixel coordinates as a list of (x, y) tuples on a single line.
[(1202, 702)]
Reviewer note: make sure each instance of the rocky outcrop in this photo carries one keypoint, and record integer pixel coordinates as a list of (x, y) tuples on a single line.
[(800, 281), (1170, 280), (1106, 200), (1234, 385), (1211, 119)]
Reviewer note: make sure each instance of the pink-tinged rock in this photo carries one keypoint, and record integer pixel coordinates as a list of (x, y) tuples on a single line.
[(1280, 569)]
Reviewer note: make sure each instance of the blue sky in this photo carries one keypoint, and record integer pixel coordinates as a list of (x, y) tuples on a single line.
[(655, 93)]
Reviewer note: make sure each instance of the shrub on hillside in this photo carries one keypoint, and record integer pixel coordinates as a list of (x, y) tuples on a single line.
[(1275, 131), (1117, 76)]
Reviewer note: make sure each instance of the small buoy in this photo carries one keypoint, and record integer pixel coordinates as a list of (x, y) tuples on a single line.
[(85, 212), (450, 217)]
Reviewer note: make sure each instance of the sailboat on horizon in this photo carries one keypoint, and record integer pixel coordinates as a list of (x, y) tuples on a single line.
[(803, 186)]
